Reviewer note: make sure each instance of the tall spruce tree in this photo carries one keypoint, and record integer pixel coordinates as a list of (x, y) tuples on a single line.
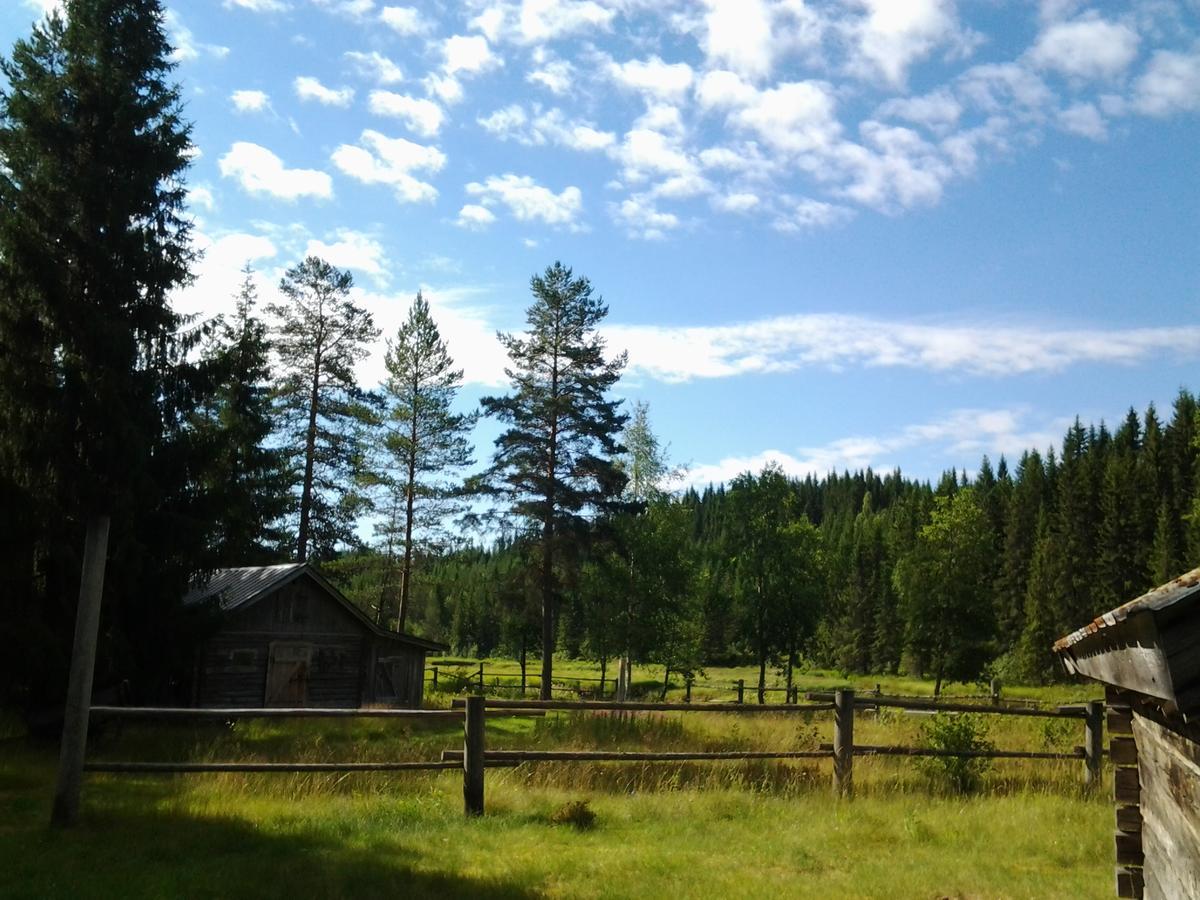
[(425, 445), (248, 481), (93, 383), (319, 335), (555, 461)]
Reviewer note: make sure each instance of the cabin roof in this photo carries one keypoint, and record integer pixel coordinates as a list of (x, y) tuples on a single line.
[(240, 587), (1162, 597)]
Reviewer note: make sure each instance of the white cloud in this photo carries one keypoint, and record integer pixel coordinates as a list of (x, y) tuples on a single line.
[(446, 88), (738, 35), (794, 117), (376, 66), (737, 202), (259, 6), (540, 21), (249, 101), (469, 54), (200, 195), (1083, 119), (806, 214), (45, 7), (891, 36), (351, 250), (378, 159), (642, 219), (529, 201), (351, 9), (555, 76), (937, 110), (422, 116), (836, 341), (1170, 84), (259, 171), (1087, 47), (308, 88), (218, 272), (404, 20), (653, 77), (512, 123), (994, 432), (720, 89), (475, 217), (187, 48)]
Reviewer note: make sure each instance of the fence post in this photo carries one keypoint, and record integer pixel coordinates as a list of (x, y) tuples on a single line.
[(83, 666), (843, 742), (473, 748), (435, 674), (481, 678), (741, 690), (687, 697), (1093, 742), (996, 691)]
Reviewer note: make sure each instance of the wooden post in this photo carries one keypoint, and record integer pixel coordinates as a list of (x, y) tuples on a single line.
[(473, 756), (83, 668), (1093, 742), (687, 696), (481, 678), (741, 690), (996, 691), (435, 674), (843, 742)]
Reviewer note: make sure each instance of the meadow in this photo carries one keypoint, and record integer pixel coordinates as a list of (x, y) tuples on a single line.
[(703, 829)]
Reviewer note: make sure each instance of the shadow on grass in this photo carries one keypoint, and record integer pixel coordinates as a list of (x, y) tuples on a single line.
[(135, 840)]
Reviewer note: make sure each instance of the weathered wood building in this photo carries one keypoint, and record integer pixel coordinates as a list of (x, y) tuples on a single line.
[(1147, 653), (287, 637)]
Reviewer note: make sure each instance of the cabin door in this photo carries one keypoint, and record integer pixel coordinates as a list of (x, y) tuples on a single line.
[(287, 674)]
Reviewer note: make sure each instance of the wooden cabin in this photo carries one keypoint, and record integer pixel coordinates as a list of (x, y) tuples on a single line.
[(1147, 653), (286, 637)]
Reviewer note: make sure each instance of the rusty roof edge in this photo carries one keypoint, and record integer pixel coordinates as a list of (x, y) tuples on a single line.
[(1178, 589)]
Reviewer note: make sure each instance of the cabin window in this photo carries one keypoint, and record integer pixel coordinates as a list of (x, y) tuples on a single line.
[(240, 660)]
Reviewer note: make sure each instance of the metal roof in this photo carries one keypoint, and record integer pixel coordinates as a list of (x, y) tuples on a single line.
[(233, 587), (238, 587), (1158, 599)]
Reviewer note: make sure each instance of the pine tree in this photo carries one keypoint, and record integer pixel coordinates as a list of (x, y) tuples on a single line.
[(319, 335), (247, 482), (425, 443), (93, 378), (554, 463)]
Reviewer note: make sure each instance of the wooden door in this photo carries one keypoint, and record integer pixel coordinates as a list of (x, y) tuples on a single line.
[(287, 674)]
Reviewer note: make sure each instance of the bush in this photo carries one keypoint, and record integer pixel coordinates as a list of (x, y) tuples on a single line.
[(577, 813), (960, 733)]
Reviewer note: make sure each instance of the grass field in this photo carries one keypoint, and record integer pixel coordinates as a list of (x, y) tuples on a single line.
[(728, 829)]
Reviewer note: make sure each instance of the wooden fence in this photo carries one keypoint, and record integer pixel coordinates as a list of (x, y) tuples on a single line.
[(475, 757)]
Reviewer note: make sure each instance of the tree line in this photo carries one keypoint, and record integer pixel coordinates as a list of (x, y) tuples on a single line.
[(248, 440)]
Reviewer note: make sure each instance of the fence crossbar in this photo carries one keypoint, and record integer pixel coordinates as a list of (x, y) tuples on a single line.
[(634, 706), (873, 750), (519, 756), (939, 706), (170, 768), (173, 713)]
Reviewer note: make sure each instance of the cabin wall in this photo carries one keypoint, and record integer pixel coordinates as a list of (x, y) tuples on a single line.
[(342, 671), (1169, 773)]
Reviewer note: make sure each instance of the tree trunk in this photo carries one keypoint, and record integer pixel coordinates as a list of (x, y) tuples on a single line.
[(666, 683), (547, 609), (762, 674), (310, 449), (790, 660), (410, 492), (524, 651), (603, 672)]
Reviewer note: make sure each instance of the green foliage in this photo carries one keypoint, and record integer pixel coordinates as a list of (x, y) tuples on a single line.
[(956, 733), (555, 462), (424, 446), (319, 335)]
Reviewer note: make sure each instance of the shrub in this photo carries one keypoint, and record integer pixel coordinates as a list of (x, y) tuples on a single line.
[(961, 733), (577, 813)]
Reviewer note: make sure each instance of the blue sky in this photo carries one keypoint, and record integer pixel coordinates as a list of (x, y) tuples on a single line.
[(831, 234)]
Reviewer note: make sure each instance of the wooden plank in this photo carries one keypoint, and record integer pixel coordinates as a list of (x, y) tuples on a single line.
[(167, 713), (1126, 786), (873, 750), (1079, 712), (1129, 849), (1129, 819), (1169, 770), (172, 768), (1129, 882), (632, 706), (1122, 751), (473, 756), (1119, 720), (636, 755)]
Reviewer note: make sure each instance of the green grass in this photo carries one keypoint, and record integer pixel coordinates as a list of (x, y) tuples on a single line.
[(729, 829)]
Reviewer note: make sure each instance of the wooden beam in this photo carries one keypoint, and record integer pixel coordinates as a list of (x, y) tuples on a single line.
[(1122, 751), (473, 756), (1126, 787), (519, 756), (632, 706), (1129, 849), (843, 743), (173, 768)]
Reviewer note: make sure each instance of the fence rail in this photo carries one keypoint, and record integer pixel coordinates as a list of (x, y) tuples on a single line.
[(475, 757)]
